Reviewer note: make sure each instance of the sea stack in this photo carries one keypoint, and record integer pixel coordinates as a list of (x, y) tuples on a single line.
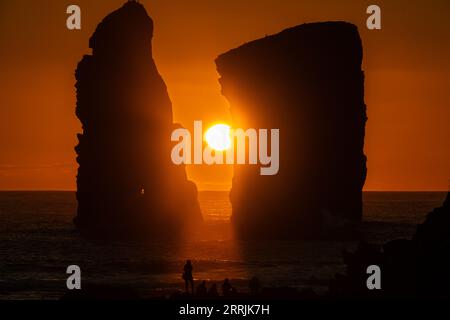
[(127, 186), (306, 81)]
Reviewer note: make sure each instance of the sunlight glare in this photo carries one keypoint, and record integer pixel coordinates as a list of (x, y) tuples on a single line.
[(218, 137)]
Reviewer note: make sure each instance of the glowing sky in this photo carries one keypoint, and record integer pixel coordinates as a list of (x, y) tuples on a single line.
[(406, 64)]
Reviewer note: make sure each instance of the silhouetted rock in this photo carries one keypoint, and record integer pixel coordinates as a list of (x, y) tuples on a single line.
[(307, 81), (436, 227), (409, 268), (432, 240), (127, 186)]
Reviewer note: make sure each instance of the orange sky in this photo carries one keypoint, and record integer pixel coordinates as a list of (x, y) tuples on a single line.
[(406, 64)]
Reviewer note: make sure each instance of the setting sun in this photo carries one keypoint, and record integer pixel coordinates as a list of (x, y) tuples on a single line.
[(218, 137)]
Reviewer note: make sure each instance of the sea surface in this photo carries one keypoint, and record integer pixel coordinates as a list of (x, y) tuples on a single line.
[(38, 241)]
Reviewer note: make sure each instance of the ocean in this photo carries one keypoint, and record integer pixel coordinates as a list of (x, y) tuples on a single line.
[(38, 241)]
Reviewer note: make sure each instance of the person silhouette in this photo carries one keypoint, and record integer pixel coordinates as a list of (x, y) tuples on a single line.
[(226, 288), (254, 286), (201, 289), (212, 291), (187, 276)]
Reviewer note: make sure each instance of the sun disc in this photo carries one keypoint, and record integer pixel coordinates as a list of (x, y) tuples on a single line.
[(218, 137)]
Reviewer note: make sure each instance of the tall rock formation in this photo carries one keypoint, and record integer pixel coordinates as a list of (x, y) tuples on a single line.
[(307, 81), (127, 185)]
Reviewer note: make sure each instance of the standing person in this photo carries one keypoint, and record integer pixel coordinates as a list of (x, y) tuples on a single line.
[(212, 291), (187, 276), (226, 287), (201, 289), (254, 286)]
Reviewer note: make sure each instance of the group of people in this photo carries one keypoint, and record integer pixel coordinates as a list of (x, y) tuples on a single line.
[(203, 291)]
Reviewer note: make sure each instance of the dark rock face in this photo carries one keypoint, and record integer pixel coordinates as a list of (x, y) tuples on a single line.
[(409, 268), (307, 81), (432, 240), (126, 183)]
